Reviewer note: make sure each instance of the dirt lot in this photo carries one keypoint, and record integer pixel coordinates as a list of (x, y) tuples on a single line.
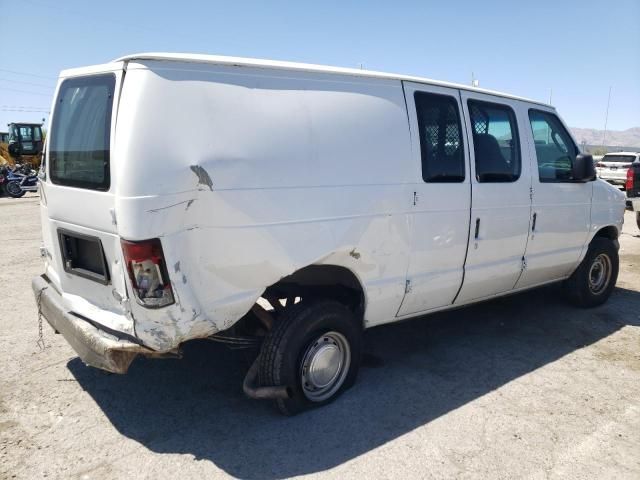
[(525, 386)]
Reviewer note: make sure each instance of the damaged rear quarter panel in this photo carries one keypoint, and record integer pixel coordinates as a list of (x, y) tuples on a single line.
[(276, 174)]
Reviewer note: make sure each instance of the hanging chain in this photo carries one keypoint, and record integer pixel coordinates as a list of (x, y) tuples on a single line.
[(40, 341)]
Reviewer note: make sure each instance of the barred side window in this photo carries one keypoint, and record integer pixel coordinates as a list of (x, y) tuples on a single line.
[(495, 142), (440, 132)]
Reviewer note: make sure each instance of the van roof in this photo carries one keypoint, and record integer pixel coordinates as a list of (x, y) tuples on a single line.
[(306, 67)]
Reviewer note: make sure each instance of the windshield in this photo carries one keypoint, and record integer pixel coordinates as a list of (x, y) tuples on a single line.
[(619, 158), (26, 133), (80, 132)]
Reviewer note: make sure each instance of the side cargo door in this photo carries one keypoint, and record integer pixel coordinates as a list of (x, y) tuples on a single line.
[(439, 219), (501, 192)]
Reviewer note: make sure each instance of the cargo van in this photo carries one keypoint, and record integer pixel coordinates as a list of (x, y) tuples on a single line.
[(287, 207)]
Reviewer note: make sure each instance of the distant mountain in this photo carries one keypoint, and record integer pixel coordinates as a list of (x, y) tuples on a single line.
[(624, 138)]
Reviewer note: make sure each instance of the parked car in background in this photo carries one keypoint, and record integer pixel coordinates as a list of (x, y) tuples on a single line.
[(613, 167), (633, 189), (308, 204)]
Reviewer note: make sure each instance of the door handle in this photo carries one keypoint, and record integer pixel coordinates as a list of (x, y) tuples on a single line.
[(533, 223), (477, 228)]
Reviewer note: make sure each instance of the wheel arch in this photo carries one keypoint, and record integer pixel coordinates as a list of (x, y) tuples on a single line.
[(324, 280), (610, 231)]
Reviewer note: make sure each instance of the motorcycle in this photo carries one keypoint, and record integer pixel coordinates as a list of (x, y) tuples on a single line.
[(19, 181)]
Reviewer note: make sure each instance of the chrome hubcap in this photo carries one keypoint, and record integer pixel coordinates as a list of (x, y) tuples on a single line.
[(325, 365), (600, 274)]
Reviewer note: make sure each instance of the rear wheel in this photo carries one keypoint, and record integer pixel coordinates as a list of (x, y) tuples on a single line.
[(314, 350), (14, 190), (593, 281), (638, 219)]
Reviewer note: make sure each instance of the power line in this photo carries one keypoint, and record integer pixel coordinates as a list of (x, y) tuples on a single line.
[(25, 91), (24, 106), (26, 74), (26, 83), (22, 110)]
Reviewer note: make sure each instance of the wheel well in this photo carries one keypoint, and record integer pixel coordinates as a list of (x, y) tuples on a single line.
[(609, 232), (327, 281)]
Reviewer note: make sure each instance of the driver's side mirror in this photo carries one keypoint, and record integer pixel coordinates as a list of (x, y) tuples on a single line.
[(583, 169)]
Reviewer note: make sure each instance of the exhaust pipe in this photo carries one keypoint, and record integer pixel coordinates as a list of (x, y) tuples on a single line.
[(251, 390)]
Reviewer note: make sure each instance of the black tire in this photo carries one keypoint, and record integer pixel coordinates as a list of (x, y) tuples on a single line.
[(638, 219), (13, 189), (580, 287), (296, 333)]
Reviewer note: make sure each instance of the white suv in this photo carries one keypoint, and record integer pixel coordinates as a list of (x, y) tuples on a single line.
[(613, 166)]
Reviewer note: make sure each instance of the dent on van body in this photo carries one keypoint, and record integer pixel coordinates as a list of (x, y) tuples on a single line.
[(273, 174)]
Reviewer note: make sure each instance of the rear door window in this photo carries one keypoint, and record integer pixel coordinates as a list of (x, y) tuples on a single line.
[(618, 158), (495, 142), (441, 147), (80, 132)]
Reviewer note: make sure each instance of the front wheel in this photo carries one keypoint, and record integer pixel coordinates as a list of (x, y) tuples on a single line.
[(593, 281), (314, 350), (14, 190)]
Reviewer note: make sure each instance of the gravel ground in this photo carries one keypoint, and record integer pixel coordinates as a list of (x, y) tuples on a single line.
[(522, 387)]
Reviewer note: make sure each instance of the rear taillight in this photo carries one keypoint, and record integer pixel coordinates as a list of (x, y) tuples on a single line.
[(629, 185), (148, 272)]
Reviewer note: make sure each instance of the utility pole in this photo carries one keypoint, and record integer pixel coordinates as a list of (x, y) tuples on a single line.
[(606, 118)]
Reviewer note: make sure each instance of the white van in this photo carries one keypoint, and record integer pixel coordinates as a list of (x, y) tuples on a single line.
[(287, 207)]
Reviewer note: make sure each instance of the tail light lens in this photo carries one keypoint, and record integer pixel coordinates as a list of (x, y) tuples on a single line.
[(629, 185), (148, 272)]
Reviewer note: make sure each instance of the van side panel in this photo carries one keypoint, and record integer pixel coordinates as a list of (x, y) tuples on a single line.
[(248, 175)]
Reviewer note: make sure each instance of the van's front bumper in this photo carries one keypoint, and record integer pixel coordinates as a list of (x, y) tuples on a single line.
[(94, 347)]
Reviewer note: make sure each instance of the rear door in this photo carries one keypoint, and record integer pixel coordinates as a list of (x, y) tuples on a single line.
[(77, 197), (439, 217), (501, 205)]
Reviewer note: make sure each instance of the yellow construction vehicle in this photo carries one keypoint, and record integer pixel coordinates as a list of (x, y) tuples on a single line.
[(23, 144)]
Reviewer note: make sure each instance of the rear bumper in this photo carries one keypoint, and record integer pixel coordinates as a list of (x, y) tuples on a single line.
[(94, 347), (615, 180)]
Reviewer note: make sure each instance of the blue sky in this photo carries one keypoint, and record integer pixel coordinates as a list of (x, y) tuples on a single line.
[(576, 48)]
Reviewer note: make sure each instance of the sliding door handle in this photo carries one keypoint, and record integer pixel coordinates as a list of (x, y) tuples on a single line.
[(533, 223), (477, 228)]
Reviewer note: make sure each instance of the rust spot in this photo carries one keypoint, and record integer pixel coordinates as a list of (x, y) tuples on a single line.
[(354, 254), (203, 176), (176, 267)]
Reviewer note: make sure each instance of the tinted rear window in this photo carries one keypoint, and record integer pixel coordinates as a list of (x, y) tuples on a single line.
[(619, 158), (80, 132)]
